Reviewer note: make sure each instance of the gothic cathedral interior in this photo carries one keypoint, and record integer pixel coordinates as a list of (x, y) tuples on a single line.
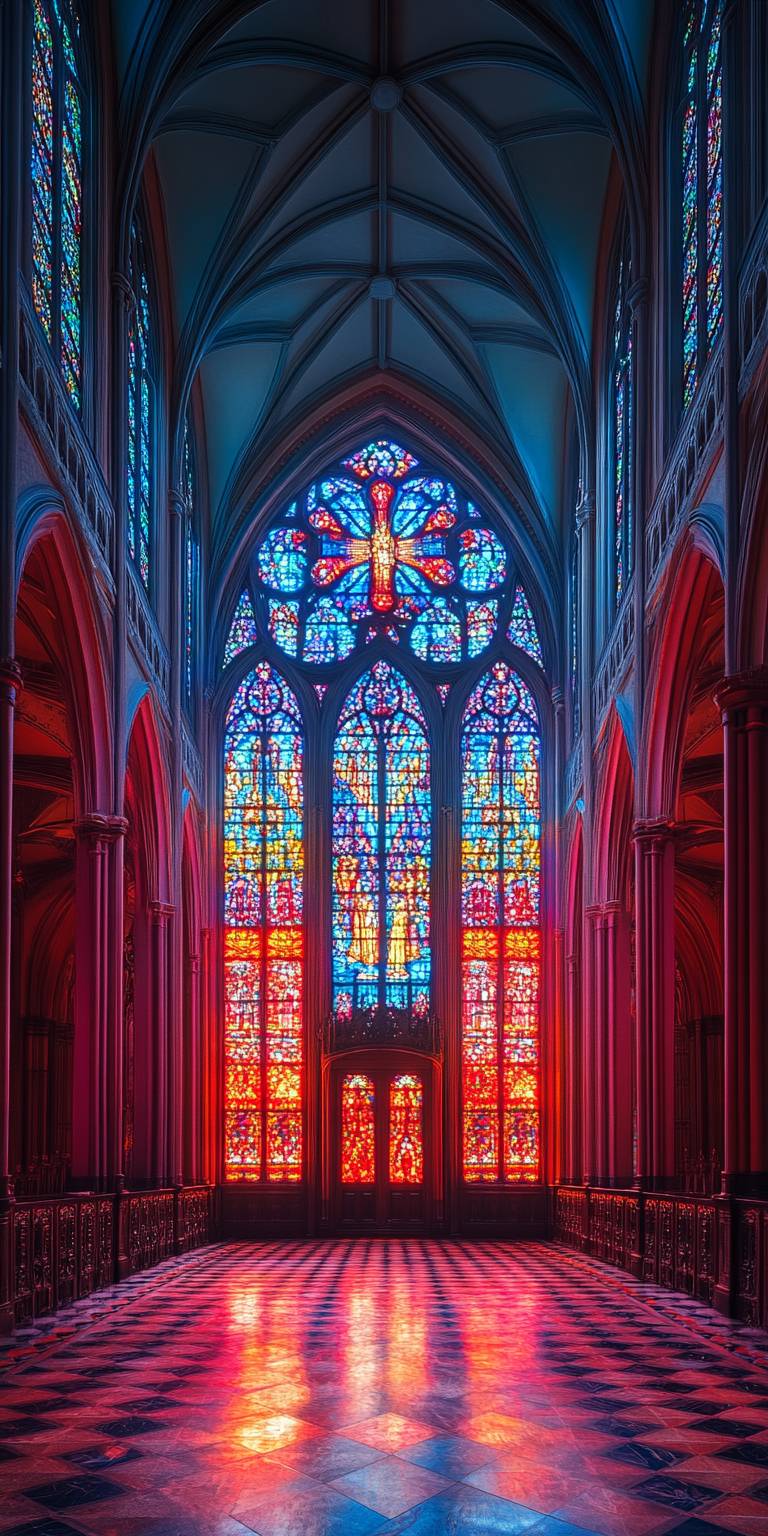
[(384, 755)]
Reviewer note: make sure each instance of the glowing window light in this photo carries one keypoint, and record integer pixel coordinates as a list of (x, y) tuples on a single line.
[(377, 549), (381, 846), (139, 445), (702, 188), (501, 931), (406, 1131), (57, 191), (522, 629), (263, 934), (358, 1129), (242, 631)]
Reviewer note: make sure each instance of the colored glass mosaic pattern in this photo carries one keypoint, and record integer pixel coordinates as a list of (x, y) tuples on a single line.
[(381, 844), (263, 935), (358, 1129), (522, 628), (190, 563), (379, 549), (623, 410), (501, 832), (702, 188), (242, 631), (139, 418), (57, 190), (406, 1130)]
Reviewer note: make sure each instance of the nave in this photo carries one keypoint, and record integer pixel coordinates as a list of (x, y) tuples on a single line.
[(380, 1386)]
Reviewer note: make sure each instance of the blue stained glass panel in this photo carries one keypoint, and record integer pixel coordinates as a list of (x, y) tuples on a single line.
[(522, 627), (242, 631), (283, 559), (381, 844)]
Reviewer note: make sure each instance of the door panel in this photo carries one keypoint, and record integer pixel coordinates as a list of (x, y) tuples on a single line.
[(380, 1164)]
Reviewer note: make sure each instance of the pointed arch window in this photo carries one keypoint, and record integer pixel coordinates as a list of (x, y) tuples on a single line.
[(263, 931), (621, 417), (702, 188), (140, 424), (57, 185), (501, 938), (574, 635), (381, 846)]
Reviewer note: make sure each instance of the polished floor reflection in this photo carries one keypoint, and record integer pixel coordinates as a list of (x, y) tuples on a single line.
[(294, 1389)]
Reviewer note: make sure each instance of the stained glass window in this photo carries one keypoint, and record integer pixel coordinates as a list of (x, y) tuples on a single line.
[(358, 1129), (574, 636), (263, 936), (702, 187), (501, 831), (242, 631), (190, 565), (381, 845), (57, 184), (622, 410), (406, 1131), (522, 627), (382, 547), (139, 445)]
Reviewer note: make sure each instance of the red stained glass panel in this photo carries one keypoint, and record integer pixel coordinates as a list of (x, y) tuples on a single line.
[(263, 937), (358, 1129), (501, 934), (406, 1130)]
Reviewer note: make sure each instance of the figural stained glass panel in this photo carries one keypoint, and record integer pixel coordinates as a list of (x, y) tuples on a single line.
[(406, 1130), (263, 934), (500, 874), (56, 172), (381, 847), (358, 1129)]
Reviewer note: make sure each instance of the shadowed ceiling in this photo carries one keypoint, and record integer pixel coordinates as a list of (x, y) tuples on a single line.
[(408, 191)]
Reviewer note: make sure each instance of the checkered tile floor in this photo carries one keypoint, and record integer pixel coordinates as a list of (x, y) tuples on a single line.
[(294, 1389)]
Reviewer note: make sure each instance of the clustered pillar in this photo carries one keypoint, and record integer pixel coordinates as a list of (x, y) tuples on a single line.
[(744, 703)]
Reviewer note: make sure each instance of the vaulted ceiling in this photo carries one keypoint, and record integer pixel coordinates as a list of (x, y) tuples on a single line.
[(384, 193)]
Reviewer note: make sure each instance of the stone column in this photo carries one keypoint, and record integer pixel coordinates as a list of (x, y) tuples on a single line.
[(573, 1096), (655, 993), (90, 1072), (160, 913), (192, 1083), (116, 829), (176, 1068), (743, 700)]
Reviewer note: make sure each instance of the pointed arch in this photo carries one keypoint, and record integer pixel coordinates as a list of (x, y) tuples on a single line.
[(264, 931), (381, 848), (501, 930)]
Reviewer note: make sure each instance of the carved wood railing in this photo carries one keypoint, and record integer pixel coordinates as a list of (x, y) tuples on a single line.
[(66, 1246), (712, 1247)]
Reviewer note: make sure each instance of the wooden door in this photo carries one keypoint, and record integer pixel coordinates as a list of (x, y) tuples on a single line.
[(382, 1119)]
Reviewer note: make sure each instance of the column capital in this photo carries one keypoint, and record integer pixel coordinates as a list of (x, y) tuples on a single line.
[(585, 509), (160, 911), (177, 503), (558, 699), (10, 678), (97, 827), (653, 831), (743, 691)]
